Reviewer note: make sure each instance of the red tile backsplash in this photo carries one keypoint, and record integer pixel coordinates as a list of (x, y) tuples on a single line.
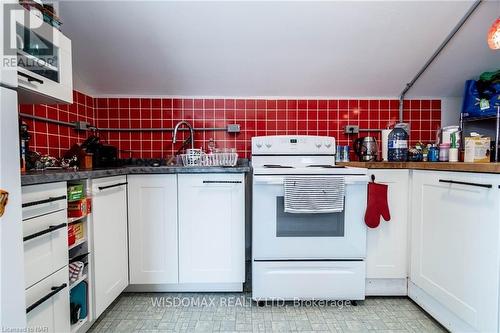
[(53, 139), (255, 116)]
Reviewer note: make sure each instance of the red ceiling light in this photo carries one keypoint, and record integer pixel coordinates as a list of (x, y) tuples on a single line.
[(494, 35)]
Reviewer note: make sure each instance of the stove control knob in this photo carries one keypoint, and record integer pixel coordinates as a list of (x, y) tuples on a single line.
[(258, 144), (328, 144), (318, 145), (269, 144)]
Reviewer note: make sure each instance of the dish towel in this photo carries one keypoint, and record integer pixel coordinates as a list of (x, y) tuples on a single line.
[(310, 194), (376, 205), (75, 270)]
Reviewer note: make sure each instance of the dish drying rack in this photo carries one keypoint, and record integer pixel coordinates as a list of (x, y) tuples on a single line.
[(196, 158)]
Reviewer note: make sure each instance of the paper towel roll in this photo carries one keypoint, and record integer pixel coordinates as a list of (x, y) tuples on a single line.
[(385, 144)]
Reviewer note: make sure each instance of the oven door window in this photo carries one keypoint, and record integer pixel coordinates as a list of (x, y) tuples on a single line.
[(307, 225)]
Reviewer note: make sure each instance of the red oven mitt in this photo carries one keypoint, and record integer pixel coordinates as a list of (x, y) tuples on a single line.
[(377, 205)]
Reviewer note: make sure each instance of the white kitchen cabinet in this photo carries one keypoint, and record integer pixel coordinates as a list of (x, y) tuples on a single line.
[(212, 228), (46, 78), (109, 214), (455, 248), (387, 245), (153, 243), (48, 304)]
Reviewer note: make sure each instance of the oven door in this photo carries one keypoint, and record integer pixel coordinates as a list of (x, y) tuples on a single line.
[(279, 235)]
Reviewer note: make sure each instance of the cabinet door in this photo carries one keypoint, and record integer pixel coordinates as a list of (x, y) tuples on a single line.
[(109, 213), (455, 243), (387, 244), (53, 314), (211, 228), (153, 229)]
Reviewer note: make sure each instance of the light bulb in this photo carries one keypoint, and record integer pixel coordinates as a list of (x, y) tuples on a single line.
[(494, 35)]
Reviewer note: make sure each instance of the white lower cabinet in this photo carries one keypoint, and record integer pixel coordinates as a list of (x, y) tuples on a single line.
[(48, 304), (186, 232), (45, 236), (211, 228), (153, 243), (455, 248), (109, 213), (387, 245)]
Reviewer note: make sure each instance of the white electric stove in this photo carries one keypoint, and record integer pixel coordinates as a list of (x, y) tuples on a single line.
[(305, 256)]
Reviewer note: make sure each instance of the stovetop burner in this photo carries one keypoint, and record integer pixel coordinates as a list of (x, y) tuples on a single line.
[(325, 166), (277, 166)]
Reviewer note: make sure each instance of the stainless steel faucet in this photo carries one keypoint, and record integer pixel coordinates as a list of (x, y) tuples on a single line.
[(191, 132)]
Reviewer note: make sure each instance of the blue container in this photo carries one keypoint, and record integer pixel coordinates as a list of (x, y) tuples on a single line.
[(338, 154), (398, 145), (433, 154)]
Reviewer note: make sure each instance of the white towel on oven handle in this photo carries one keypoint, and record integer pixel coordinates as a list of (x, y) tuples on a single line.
[(314, 194)]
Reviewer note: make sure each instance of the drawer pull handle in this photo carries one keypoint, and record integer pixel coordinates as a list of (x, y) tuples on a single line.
[(465, 183), (222, 182), (54, 291), (44, 201), (110, 186), (30, 78), (43, 232)]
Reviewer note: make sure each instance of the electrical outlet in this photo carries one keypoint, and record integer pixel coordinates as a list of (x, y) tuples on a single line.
[(233, 128), (351, 129), (81, 125)]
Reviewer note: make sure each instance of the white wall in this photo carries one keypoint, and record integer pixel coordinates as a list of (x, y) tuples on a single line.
[(450, 111)]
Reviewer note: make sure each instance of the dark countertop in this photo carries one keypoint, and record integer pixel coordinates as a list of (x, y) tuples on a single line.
[(51, 176), (440, 166)]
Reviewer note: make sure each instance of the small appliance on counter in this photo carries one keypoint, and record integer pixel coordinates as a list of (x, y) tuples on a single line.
[(103, 155), (366, 148)]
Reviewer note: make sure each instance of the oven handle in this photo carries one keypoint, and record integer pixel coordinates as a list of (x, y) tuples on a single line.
[(268, 181), (279, 181)]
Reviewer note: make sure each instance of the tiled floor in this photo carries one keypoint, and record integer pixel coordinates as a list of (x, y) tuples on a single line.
[(197, 312)]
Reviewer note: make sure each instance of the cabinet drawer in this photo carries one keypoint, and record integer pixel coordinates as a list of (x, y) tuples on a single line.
[(45, 246), (43, 199), (338, 280), (48, 303)]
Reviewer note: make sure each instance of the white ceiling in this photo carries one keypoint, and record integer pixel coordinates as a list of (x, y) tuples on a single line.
[(258, 48)]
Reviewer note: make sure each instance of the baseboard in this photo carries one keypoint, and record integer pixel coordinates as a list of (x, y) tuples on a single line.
[(186, 287), (442, 315), (386, 287)]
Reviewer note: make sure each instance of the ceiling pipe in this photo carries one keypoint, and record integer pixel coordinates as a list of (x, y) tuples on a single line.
[(435, 54)]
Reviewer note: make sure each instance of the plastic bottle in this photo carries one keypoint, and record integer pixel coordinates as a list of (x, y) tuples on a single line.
[(398, 145), (453, 154), (444, 152), (433, 154)]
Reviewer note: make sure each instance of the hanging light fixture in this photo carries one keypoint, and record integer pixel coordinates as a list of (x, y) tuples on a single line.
[(494, 35)]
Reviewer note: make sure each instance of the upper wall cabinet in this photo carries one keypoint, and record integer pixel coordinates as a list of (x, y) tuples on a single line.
[(44, 68)]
